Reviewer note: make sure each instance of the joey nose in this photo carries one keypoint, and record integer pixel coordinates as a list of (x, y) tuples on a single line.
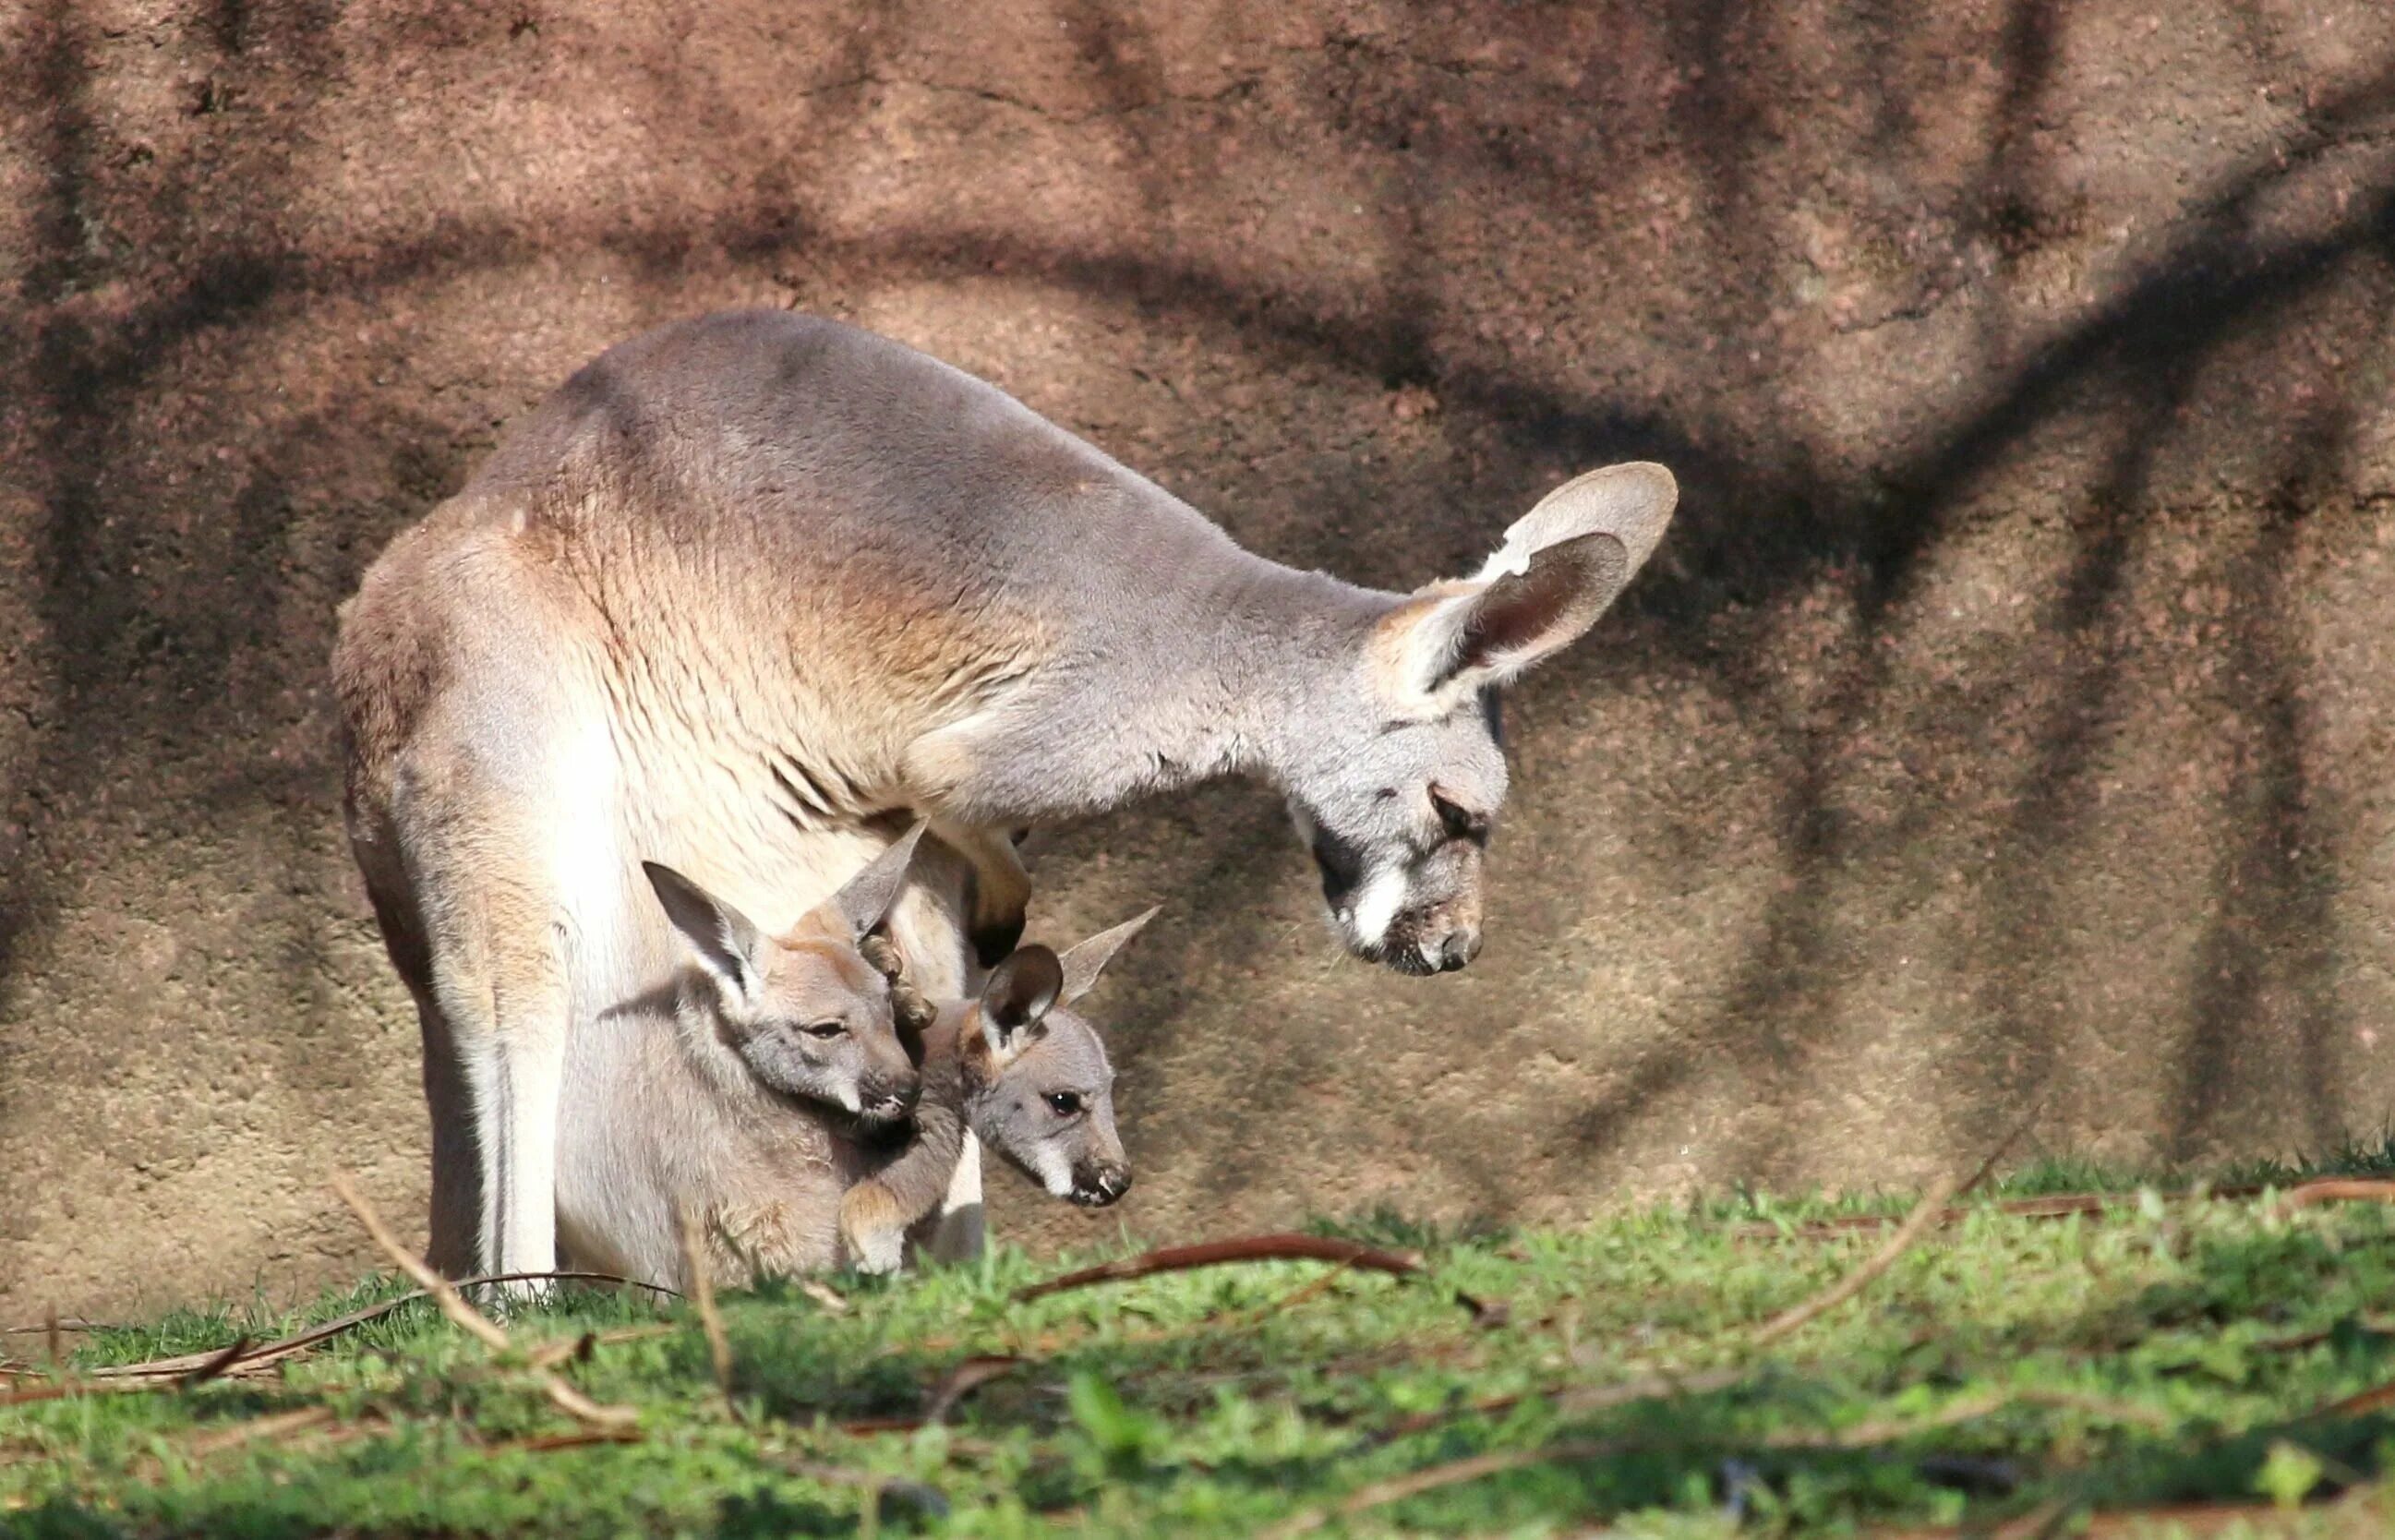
[(1103, 1186), (1461, 945), (896, 1103)]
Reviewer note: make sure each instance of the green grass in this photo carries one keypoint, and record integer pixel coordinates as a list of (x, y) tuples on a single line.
[(2160, 1354)]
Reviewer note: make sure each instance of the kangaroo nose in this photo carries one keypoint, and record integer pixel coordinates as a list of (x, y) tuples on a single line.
[(1460, 947), (1103, 1186), (896, 1102)]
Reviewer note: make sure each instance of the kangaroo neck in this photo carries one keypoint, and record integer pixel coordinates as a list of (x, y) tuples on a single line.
[(946, 1079), (1189, 677)]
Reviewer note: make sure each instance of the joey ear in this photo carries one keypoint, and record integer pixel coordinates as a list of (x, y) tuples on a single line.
[(1018, 992), (1561, 566), (864, 901), (1081, 965), (727, 946)]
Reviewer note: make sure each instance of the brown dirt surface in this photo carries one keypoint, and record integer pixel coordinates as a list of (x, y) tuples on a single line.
[(2010, 714)]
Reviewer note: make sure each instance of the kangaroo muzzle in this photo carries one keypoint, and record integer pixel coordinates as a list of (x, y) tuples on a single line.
[(889, 1098), (1099, 1183)]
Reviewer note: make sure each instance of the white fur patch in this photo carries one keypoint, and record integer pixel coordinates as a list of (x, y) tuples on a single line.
[(880, 1253), (1056, 1171), (1509, 561), (586, 857), (1378, 899)]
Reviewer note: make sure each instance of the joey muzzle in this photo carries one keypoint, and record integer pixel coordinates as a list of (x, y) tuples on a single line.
[(889, 1099), (1099, 1183)]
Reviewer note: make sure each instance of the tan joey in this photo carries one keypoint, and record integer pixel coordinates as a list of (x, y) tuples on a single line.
[(750, 1088), (750, 578)]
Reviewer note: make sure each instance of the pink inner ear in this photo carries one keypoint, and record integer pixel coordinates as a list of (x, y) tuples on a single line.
[(1523, 615)]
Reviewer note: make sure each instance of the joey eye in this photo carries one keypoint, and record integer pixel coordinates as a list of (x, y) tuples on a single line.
[(1063, 1102), (826, 1029)]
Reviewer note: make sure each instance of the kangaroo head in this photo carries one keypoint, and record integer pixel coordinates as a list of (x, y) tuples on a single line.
[(1037, 1087), (805, 1010), (1397, 772)]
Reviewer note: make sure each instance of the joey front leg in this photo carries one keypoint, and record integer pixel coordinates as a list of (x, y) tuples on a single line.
[(1002, 888), (872, 1229), (876, 1213)]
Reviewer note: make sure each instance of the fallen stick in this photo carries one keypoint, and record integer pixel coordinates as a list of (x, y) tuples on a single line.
[(224, 1360), (1919, 1222), (1216, 1253), (2378, 1397), (64, 1323), (473, 1322), (203, 1367), (276, 1351), (2335, 1191), (564, 1396), (702, 1291), (965, 1378), (579, 1438), (832, 1301)]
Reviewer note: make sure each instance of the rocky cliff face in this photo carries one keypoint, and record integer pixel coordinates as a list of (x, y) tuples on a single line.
[(2005, 724)]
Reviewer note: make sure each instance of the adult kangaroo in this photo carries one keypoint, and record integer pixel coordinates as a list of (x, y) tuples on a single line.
[(755, 575)]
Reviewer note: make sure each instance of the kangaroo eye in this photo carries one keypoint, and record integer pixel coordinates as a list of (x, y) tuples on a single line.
[(826, 1028), (1063, 1103)]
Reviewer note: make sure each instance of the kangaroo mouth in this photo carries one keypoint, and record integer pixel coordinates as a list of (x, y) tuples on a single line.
[(1402, 956), (887, 1110), (1101, 1191)]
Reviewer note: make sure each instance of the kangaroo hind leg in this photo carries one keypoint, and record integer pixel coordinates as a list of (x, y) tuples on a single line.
[(500, 921)]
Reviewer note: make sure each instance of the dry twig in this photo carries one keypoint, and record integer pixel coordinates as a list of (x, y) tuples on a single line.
[(2335, 1191), (473, 1322), (964, 1379), (1212, 1254), (1923, 1217), (56, 1323), (217, 1364), (702, 1292), (274, 1352), (833, 1302), (564, 1396)]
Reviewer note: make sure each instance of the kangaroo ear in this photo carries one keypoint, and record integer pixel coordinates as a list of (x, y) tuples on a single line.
[(727, 946), (1017, 993), (1563, 564), (1081, 965), (865, 899)]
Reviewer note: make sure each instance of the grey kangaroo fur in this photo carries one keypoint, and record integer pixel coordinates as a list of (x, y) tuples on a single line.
[(1028, 1076), (751, 578)]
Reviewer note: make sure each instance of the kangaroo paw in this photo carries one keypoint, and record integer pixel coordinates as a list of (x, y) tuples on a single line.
[(871, 1231)]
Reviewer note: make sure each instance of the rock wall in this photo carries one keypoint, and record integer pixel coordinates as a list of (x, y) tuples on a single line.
[(2006, 724)]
